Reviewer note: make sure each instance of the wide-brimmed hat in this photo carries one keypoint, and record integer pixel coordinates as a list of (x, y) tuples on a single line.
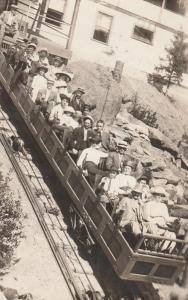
[(129, 163), (32, 45), (69, 75), (43, 67), (158, 190), (88, 117), (44, 49), (69, 109), (64, 96), (78, 114), (137, 189), (50, 80), (81, 90), (122, 144), (57, 58)]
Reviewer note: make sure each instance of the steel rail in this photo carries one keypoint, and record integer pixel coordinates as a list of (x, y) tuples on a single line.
[(60, 258)]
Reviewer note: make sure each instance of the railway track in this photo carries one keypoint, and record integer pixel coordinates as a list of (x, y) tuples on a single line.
[(77, 273)]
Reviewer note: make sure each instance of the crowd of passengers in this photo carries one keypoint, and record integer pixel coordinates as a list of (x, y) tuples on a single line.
[(107, 164)]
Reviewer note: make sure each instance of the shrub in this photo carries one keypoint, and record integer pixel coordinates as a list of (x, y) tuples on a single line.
[(10, 222), (143, 113)]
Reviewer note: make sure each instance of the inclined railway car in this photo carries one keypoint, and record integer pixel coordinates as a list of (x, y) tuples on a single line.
[(129, 263)]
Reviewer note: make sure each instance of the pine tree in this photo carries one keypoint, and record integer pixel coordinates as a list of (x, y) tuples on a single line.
[(171, 68)]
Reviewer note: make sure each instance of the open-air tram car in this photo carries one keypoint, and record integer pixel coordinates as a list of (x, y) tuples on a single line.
[(140, 263)]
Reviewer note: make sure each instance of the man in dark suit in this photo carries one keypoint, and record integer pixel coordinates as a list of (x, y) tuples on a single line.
[(81, 136), (106, 141), (117, 158), (76, 102)]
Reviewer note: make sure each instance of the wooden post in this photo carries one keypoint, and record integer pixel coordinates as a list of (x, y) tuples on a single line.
[(118, 70)]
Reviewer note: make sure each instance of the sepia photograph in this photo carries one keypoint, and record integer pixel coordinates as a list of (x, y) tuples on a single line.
[(94, 149)]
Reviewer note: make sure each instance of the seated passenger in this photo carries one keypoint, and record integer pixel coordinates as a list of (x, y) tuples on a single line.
[(81, 136), (143, 181), (126, 181), (62, 78), (76, 101), (89, 160), (58, 110), (108, 190), (116, 158), (9, 23), (39, 82), (66, 125), (157, 218), (129, 214), (105, 136), (55, 67), (47, 98)]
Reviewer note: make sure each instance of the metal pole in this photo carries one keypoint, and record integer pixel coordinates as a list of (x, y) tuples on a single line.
[(73, 24), (34, 21)]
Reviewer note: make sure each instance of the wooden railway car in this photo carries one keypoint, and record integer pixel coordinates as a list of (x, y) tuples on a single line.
[(138, 264)]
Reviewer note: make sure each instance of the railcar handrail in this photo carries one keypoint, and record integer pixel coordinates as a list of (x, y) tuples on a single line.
[(141, 245)]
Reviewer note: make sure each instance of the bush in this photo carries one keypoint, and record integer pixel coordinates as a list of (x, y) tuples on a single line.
[(10, 222), (143, 113)]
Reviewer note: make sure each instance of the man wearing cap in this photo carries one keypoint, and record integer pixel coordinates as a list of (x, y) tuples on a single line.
[(81, 136), (47, 98), (76, 101), (89, 160), (9, 23), (116, 158)]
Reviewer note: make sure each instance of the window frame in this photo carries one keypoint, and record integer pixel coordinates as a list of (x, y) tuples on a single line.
[(140, 39), (57, 11), (175, 12), (110, 29)]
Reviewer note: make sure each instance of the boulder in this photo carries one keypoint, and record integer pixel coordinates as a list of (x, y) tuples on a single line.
[(158, 182), (158, 165), (168, 175), (159, 140)]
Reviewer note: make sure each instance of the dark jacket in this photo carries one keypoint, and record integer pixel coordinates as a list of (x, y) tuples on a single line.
[(113, 160), (77, 139), (77, 105)]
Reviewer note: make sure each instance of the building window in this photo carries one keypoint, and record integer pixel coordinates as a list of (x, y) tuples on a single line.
[(155, 2), (55, 12), (143, 35), (177, 6), (102, 28)]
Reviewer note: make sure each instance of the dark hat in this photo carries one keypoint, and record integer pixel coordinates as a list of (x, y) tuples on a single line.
[(57, 58), (88, 117), (64, 96), (33, 45), (43, 67), (129, 163), (81, 90), (113, 169)]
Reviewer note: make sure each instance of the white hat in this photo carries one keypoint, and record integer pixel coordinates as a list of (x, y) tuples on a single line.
[(158, 190), (43, 49), (69, 109), (122, 144)]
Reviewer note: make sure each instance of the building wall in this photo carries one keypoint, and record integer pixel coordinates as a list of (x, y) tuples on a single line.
[(137, 55)]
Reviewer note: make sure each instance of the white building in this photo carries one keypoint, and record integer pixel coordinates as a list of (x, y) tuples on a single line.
[(133, 31)]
